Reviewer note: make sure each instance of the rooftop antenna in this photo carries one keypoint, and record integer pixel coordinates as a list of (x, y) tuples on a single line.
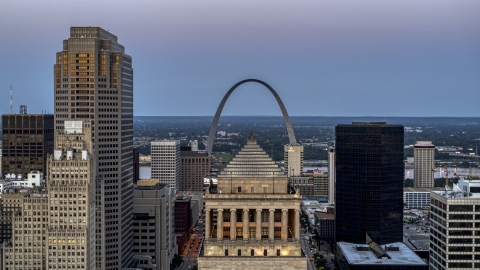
[(11, 109)]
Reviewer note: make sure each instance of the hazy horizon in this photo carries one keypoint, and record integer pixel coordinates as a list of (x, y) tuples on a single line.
[(372, 57)]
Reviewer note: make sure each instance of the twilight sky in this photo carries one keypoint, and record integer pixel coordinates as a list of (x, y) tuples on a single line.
[(324, 58)]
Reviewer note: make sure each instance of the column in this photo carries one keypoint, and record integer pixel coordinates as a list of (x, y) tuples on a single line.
[(245, 223), (208, 228), (233, 224), (284, 223), (271, 225), (219, 223), (259, 224), (297, 224)]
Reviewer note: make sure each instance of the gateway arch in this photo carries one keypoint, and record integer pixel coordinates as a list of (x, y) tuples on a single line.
[(213, 127)]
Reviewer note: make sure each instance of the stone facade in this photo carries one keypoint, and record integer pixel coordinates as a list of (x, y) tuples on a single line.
[(252, 218)]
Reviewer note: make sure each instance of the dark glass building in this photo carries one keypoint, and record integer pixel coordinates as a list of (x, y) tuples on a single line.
[(26, 141), (369, 183)]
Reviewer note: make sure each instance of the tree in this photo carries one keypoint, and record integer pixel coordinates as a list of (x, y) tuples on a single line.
[(176, 261)]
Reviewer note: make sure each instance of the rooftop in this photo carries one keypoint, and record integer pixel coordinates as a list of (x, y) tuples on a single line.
[(251, 161), (362, 254)]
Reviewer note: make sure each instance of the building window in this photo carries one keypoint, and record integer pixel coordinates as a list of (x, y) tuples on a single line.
[(278, 252), (239, 233), (226, 252), (239, 252), (239, 189), (252, 253), (265, 252), (264, 233)]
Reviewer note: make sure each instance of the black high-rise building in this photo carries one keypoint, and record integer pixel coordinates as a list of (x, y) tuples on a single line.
[(26, 141), (369, 183)]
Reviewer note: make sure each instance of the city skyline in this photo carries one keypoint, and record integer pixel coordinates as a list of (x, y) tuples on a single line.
[(323, 58)]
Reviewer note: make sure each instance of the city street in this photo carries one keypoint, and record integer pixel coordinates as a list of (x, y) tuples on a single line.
[(306, 250), (193, 246)]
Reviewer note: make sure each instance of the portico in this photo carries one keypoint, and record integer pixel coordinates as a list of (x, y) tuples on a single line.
[(252, 213)]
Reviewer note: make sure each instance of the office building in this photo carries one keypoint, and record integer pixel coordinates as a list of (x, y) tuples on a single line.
[(252, 218), (293, 160), (136, 164), (194, 166), (183, 221), (369, 183), (71, 205), (166, 162), (455, 230), (93, 80), (331, 172), (26, 141), (424, 158), (153, 224), (417, 198), (27, 247)]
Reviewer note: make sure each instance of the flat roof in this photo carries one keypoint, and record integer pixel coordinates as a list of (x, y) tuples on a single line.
[(322, 215), (364, 256), (422, 189)]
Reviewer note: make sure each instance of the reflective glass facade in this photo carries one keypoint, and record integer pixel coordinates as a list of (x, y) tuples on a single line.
[(369, 182)]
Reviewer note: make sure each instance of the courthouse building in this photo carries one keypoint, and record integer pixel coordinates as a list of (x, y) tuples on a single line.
[(252, 217)]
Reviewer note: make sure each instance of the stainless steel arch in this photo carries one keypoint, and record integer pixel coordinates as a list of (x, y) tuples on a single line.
[(213, 128)]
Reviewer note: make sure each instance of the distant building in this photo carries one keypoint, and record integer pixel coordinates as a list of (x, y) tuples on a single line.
[(166, 162), (424, 158), (454, 234), (136, 164), (325, 225), (369, 182), (312, 183), (27, 140), (331, 172), (194, 166), (417, 197), (194, 145), (153, 224), (293, 159), (183, 221)]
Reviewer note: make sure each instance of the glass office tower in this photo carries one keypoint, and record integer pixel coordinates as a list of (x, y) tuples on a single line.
[(369, 182)]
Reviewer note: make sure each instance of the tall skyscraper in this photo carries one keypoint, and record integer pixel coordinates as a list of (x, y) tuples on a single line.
[(26, 141), (166, 162), (257, 218), (424, 155), (71, 205), (94, 80), (369, 183)]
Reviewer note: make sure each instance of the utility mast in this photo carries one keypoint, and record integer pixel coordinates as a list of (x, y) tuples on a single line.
[(11, 108)]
